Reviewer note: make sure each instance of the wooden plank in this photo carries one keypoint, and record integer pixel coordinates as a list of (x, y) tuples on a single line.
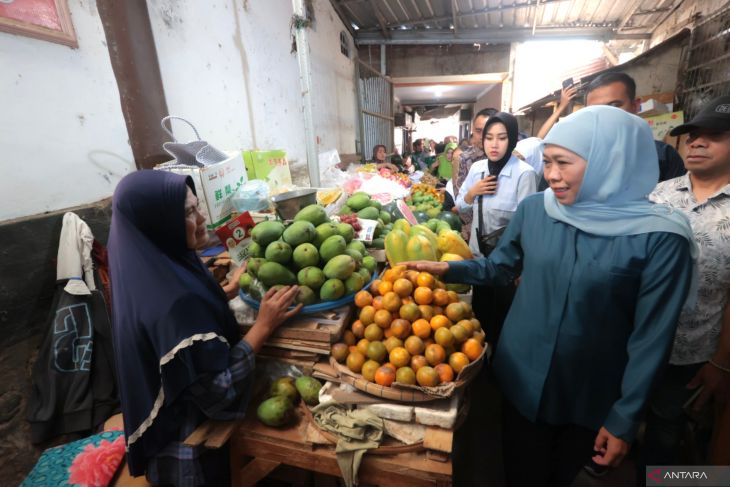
[(438, 439), (198, 436), (256, 470), (220, 432)]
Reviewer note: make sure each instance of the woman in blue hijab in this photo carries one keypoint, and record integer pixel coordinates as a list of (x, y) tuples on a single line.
[(179, 354), (604, 275)]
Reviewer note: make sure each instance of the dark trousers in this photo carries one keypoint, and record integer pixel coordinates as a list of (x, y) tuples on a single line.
[(540, 454)]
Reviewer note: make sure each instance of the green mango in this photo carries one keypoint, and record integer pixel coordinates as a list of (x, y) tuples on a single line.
[(308, 388), (312, 277), (299, 232), (339, 267), (275, 411), (305, 255), (278, 252), (314, 214), (273, 273), (331, 290), (333, 246), (358, 201), (266, 232)]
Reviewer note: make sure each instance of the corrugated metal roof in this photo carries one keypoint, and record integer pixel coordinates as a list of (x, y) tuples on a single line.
[(389, 21)]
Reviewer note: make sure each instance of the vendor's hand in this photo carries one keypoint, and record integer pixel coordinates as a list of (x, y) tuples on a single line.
[(273, 310), (231, 289), (716, 383), (568, 94), (487, 185), (613, 449), (435, 268)]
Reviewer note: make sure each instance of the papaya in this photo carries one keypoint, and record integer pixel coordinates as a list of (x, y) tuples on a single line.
[(426, 232), (313, 214), (369, 213), (432, 225), (339, 267), (402, 225), (450, 257), (334, 245), (395, 247), (278, 252), (419, 248), (299, 232), (266, 232), (358, 201), (450, 242), (273, 273)]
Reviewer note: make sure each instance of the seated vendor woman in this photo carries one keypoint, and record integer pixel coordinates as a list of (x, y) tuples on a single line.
[(179, 353), (604, 276), (379, 155)]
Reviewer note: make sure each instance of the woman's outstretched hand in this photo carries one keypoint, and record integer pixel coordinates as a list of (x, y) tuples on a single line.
[(274, 311), (435, 268)]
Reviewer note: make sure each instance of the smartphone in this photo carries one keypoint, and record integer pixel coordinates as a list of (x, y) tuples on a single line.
[(568, 83)]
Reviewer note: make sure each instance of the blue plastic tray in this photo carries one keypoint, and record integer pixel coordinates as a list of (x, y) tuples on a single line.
[(311, 308)]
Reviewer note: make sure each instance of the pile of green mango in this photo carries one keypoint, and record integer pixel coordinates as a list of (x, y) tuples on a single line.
[(312, 251), (278, 409), (367, 208)]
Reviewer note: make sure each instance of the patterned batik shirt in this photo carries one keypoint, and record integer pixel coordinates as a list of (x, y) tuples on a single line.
[(468, 157), (698, 330)]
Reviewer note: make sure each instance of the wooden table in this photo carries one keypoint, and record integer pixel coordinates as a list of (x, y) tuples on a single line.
[(271, 447)]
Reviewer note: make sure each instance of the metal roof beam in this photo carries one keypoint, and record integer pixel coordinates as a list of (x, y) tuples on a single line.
[(381, 20), (496, 36), (630, 13), (343, 17), (454, 10), (471, 13)]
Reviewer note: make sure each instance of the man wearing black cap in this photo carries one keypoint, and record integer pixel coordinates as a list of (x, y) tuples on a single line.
[(699, 365)]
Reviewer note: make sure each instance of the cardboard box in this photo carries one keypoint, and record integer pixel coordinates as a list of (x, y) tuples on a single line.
[(651, 108), (271, 166), (214, 185), (235, 235)]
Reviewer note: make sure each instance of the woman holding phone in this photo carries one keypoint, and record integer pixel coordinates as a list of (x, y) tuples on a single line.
[(604, 276), (491, 192)]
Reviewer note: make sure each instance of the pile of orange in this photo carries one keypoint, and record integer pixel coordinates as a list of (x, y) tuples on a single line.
[(410, 329)]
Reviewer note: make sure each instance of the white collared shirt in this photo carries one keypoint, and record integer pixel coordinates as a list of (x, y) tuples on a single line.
[(515, 182)]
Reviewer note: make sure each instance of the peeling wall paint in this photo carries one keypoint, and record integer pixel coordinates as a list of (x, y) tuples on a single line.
[(63, 138)]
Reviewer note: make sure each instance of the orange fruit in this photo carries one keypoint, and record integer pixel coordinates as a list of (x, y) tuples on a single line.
[(460, 334), (355, 361), (427, 377), (421, 328), (373, 332), (388, 275), (435, 354), (405, 375), (392, 342), (368, 370), (401, 328), (349, 337), (443, 337), (383, 318), (367, 314), (362, 346), (445, 373), (414, 345), (413, 277), (399, 357), (440, 297), (399, 271), (438, 310), (426, 311), (388, 333), (385, 287), (410, 312), (439, 285), (403, 287), (458, 361), (468, 308), (363, 298), (391, 366), (440, 321), (453, 296), (358, 329), (391, 302), (425, 279), (477, 325), (423, 295), (418, 361), (339, 352), (479, 336), (456, 312), (378, 302), (374, 287), (384, 376), (467, 325), (472, 349)]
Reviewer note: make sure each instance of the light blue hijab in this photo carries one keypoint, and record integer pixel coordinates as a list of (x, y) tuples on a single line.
[(622, 169)]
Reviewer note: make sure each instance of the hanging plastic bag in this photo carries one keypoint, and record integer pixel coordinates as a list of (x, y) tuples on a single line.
[(253, 195)]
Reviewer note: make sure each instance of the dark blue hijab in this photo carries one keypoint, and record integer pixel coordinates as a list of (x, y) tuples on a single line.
[(171, 320)]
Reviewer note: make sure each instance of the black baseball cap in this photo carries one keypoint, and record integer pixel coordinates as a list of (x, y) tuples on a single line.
[(715, 115)]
